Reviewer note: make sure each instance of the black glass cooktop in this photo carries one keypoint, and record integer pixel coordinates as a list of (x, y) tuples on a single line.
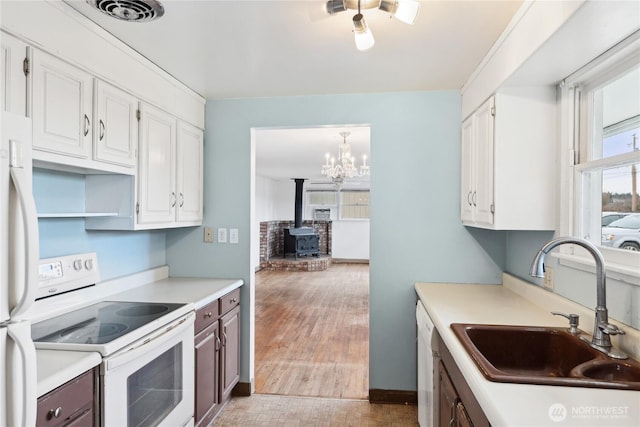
[(99, 323)]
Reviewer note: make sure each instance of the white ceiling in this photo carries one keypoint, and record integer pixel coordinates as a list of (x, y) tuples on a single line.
[(260, 48)]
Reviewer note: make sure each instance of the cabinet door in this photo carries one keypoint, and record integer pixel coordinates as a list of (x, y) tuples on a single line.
[(230, 356), (157, 191), (483, 141), (467, 171), (448, 399), (62, 98), (207, 356), (13, 80), (189, 173), (115, 126)]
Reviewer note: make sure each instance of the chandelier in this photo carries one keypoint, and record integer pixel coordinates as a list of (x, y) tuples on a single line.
[(404, 10), (345, 167)]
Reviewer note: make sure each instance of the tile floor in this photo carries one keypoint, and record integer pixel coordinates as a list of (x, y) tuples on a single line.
[(285, 411)]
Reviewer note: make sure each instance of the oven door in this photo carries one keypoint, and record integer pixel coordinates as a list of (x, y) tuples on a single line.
[(151, 382)]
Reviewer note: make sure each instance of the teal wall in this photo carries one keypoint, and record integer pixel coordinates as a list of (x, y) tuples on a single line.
[(522, 247), (120, 253), (416, 233)]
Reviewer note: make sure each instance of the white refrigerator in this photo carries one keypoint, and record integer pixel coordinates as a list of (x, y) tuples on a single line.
[(19, 255)]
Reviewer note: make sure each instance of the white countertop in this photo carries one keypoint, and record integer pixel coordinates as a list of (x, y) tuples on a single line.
[(197, 291), (55, 367), (513, 405)]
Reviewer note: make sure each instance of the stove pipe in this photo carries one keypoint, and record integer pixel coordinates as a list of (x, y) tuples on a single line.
[(298, 203)]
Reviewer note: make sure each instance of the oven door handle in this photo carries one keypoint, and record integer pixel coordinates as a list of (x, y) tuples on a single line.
[(151, 342)]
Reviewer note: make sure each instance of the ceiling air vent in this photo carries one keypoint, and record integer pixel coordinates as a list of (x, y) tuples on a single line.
[(130, 10)]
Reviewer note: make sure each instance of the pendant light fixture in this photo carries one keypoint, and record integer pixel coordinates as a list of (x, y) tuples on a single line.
[(404, 10), (345, 166)]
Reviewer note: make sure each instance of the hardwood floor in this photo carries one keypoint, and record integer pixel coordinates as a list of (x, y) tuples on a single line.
[(312, 332)]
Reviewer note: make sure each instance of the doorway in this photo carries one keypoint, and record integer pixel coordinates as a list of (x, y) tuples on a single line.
[(311, 327)]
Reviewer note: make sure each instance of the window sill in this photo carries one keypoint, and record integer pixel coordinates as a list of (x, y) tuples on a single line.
[(614, 271)]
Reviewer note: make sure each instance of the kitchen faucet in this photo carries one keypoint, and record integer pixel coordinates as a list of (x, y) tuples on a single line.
[(602, 329)]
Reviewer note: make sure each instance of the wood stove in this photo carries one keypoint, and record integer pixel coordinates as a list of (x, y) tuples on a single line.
[(300, 241)]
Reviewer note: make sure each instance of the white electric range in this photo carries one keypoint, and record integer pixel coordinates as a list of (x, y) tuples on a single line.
[(146, 376)]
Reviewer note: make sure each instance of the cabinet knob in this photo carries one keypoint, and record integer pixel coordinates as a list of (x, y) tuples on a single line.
[(209, 314), (55, 413), (235, 300)]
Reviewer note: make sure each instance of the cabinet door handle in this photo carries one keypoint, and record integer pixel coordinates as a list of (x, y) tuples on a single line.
[(224, 339), (55, 413), (173, 194), (452, 421), (217, 343), (469, 198), (474, 198), (87, 124), (181, 199), (101, 129)]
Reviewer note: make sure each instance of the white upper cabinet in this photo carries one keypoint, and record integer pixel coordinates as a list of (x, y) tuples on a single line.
[(13, 79), (62, 107), (115, 125), (79, 121), (477, 166), (156, 179), (508, 161), (189, 173)]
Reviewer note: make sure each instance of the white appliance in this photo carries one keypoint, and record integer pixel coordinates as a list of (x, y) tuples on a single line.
[(18, 273), (147, 370), (428, 357)]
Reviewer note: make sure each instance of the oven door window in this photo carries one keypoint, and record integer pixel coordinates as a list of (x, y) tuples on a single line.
[(154, 390)]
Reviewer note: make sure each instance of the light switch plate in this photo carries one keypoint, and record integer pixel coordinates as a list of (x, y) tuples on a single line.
[(222, 235), (233, 235)]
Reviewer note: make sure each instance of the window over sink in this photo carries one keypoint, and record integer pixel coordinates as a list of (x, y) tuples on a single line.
[(601, 128)]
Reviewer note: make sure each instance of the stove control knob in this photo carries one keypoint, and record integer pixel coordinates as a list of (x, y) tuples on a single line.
[(88, 264), (77, 265)]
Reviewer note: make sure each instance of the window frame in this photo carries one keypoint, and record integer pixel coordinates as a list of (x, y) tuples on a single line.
[(576, 133), (339, 205)]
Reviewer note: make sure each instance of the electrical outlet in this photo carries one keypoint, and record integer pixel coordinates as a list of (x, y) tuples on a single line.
[(548, 278), (222, 235), (233, 235), (208, 235)]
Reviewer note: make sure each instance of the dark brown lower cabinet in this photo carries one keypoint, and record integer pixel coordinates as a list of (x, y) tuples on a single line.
[(217, 355), (458, 406), (207, 368), (73, 404), (230, 352)]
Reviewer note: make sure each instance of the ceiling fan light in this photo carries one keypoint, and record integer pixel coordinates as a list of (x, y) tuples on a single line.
[(406, 11), (335, 6), (363, 36)]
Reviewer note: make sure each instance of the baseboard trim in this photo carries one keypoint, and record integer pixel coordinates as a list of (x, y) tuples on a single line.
[(398, 397), (242, 389)]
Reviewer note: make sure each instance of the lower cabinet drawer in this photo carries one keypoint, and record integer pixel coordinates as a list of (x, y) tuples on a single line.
[(66, 404), (206, 315), (229, 301)]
